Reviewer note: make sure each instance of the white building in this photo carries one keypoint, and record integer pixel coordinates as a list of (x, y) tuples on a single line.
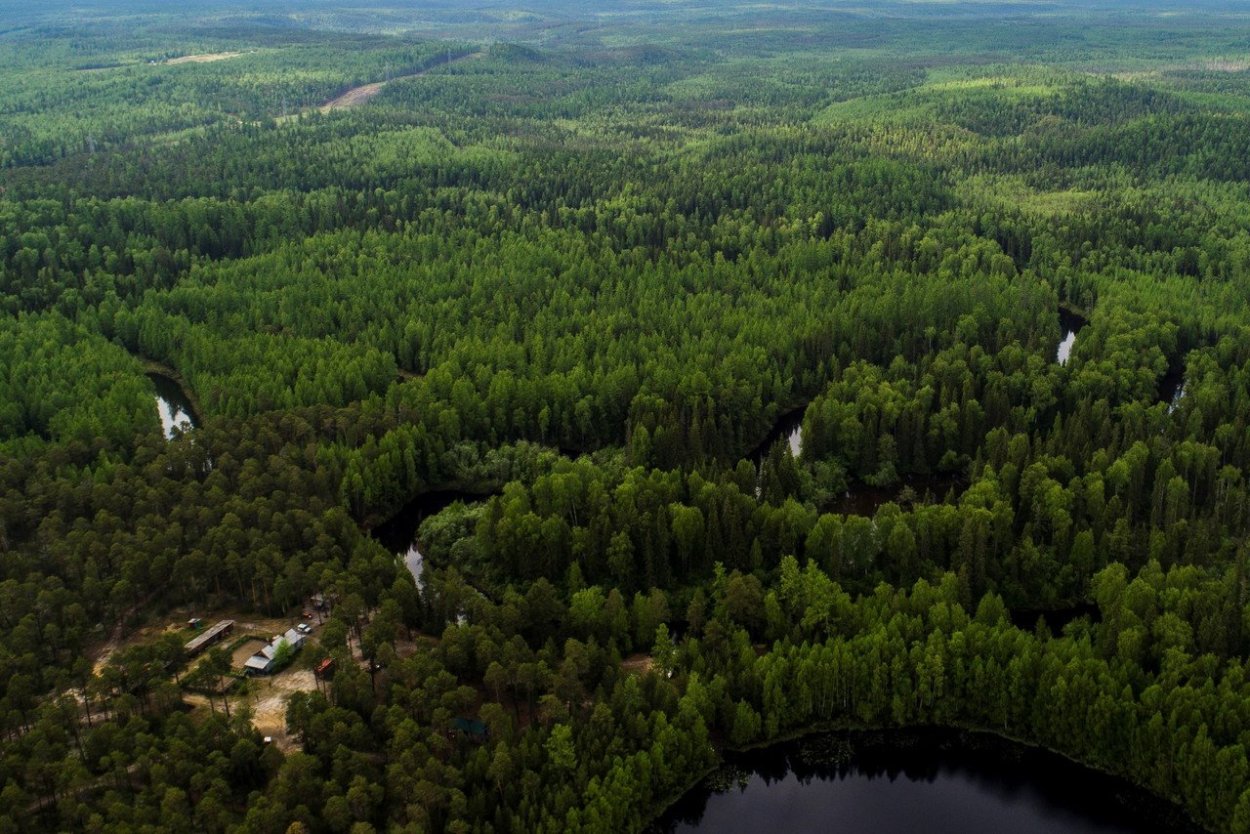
[(262, 663)]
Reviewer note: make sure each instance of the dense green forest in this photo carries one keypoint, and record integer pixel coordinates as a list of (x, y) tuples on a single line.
[(577, 264)]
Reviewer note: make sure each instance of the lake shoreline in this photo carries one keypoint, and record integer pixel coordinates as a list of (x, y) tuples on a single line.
[(1175, 814)]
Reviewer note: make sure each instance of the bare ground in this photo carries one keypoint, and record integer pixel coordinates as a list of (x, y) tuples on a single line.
[(264, 627), (354, 97), (639, 664), (269, 704), (267, 698), (118, 639), (359, 95), (206, 58), (244, 651)]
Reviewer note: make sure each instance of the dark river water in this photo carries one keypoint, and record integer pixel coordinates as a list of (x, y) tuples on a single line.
[(1055, 618), (1069, 325), (863, 499), (790, 426), (1172, 386), (860, 498), (929, 782), (173, 406), (790, 429), (399, 533)]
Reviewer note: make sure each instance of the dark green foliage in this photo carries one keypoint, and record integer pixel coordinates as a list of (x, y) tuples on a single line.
[(584, 271)]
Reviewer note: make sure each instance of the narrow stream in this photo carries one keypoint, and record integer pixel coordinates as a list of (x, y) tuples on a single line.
[(1175, 402), (1172, 386)]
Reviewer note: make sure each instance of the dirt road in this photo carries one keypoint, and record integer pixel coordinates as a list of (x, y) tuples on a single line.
[(359, 95)]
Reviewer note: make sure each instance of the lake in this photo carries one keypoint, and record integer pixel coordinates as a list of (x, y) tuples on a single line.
[(932, 781)]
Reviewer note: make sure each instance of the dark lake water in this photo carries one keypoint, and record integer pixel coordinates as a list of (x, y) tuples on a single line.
[(934, 782), (1069, 325), (172, 404)]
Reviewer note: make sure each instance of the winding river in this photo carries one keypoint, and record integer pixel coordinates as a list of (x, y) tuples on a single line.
[(1055, 618), (932, 781), (176, 412), (1172, 386), (790, 428), (864, 499), (1069, 325), (399, 533)]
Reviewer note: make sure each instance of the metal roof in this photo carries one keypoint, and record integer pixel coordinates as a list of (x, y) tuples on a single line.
[(200, 641)]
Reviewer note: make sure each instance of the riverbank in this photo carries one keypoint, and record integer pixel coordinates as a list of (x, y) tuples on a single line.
[(1073, 310), (787, 421), (446, 493)]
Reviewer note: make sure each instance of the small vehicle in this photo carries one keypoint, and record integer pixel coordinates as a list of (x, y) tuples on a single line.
[(304, 628)]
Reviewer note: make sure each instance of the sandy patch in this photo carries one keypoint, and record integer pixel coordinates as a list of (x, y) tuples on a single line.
[(206, 58), (266, 628), (269, 698), (116, 641)]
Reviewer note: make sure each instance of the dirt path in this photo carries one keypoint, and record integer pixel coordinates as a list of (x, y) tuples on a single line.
[(118, 635), (359, 95)]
